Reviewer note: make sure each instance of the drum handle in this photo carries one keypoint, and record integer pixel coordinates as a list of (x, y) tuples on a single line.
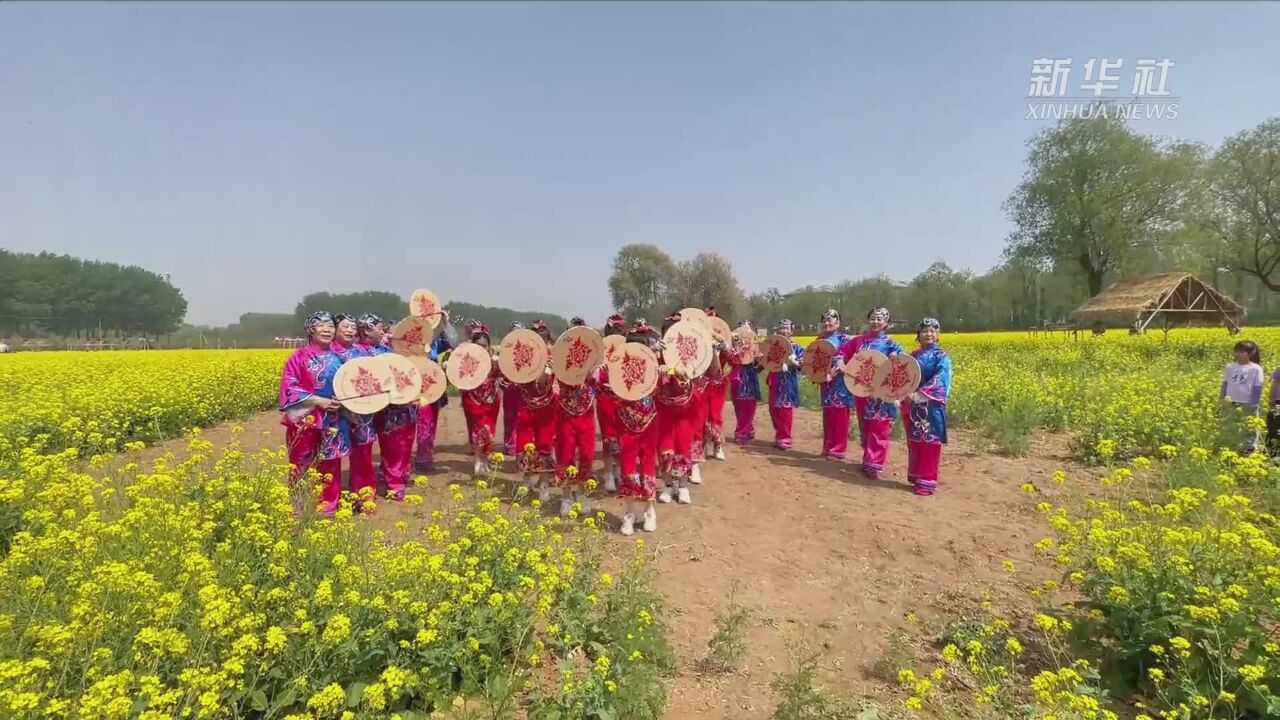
[(357, 397)]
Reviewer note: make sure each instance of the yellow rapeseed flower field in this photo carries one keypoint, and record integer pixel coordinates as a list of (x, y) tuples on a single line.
[(1139, 392), (191, 588), (97, 402)]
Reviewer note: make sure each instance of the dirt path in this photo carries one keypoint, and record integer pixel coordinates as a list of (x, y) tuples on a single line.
[(817, 551)]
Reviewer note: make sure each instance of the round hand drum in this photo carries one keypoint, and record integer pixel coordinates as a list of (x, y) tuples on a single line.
[(410, 336), (613, 347), (693, 314), (817, 360), (774, 353), (897, 379), (743, 347), (634, 374), (468, 366), (860, 372), (522, 356), (425, 305), (363, 384), (577, 352), (688, 347), (406, 381), (720, 331), (434, 382)]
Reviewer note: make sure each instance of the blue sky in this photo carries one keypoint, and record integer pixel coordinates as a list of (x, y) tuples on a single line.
[(501, 153)]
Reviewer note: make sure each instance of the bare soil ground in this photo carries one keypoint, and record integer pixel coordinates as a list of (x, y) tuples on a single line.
[(820, 554)]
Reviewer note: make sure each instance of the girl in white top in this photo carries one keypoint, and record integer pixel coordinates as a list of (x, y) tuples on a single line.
[(1242, 385)]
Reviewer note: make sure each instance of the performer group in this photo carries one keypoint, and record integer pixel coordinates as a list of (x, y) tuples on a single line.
[(651, 448)]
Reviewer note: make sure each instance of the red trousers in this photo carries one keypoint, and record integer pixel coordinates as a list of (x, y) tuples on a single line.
[(510, 411), (607, 414), (675, 438), (922, 465), (782, 418), (304, 447), (835, 431), (536, 426), (396, 449), (639, 460), (715, 412), (428, 416), (482, 421), (575, 445), (875, 440), (698, 425)]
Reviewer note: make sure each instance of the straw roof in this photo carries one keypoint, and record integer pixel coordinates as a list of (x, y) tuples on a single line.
[(1181, 297)]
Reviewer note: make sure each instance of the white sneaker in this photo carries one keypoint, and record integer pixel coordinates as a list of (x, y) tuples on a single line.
[(478, 469), (683, 496), (719, 453), (544, 495), (629, 524), (610, 483), (664, 496), (650, 520), (566, 505), (695, 475)]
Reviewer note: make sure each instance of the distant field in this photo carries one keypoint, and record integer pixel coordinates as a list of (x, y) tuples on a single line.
[(1138, 392)]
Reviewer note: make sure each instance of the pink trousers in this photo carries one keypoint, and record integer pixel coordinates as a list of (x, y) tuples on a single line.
[(396, 449), (875, 445), (922, 465), (362, 471), (782, 418), (835, 431), (428, 416), (304, 447), (745, 413), (875, 440)]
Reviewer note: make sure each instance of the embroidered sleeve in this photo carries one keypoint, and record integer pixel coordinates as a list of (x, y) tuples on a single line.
[(294, 388), (939, 386)]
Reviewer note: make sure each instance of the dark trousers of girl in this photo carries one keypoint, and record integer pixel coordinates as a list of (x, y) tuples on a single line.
[(1273, 431)]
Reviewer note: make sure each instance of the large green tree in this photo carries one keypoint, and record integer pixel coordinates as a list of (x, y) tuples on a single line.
[(643, 281), (1095, 192), (63, 295), (708, 281), (1245, 197)]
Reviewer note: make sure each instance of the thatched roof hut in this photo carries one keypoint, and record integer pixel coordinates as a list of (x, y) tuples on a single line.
[(1178, 298)]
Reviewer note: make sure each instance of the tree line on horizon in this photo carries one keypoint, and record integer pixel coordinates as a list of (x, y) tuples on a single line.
[(48, 294), (262, 329)]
